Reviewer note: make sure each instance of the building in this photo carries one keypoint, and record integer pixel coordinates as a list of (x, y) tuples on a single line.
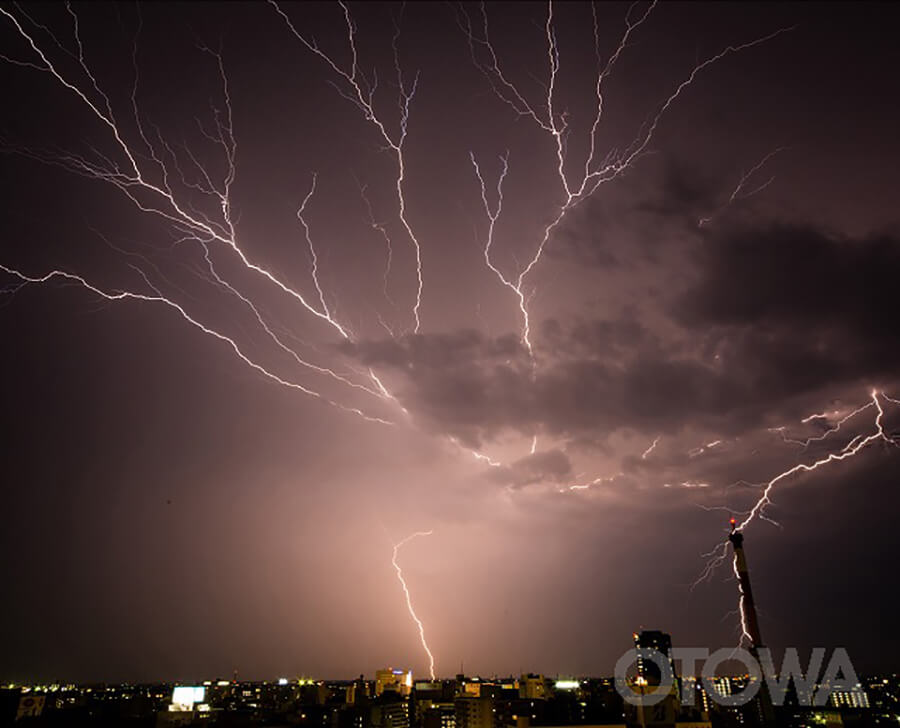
[(662, 643), (439, 715), (399, 681), (533, 687), (188, 707), (855, 698), (668, 712), (474, 712)]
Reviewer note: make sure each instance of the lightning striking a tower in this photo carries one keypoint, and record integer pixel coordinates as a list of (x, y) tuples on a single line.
[(739, 522), (295, 329)]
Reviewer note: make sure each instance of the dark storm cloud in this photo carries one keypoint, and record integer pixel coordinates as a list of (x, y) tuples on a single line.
[(445, 351), (143, 460), (551, 466), (646, 392), (793, 308), (589, 251), (770, 314), (466, 383), (682, 192), (593, 384), (784, 274), (596, 338)]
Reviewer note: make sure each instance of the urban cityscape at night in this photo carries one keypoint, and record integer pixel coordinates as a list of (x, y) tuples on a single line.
[(394, 699), (450, 365)]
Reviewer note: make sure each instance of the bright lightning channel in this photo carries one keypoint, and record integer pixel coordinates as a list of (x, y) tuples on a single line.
[(146, 160), (409, 606), (649, 450), (718, 555), (848, 451), (593, 173), (159, 198), (361, 94), (746, 638), (169, 209), (159, 298), (146, 180), (782, 431)]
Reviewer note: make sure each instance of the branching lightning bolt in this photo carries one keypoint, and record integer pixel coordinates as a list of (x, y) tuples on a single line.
[(361, 94), (162, 200), (151, 171), (382, 230), (848, 451), (314, 259), (157, 158), (593, 173), (805, 443), (718, 555), (157, 297), (153, 165), (380, 392), (739, 193)]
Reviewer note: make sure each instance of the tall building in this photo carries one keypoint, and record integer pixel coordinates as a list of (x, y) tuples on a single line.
[(662, 643), (649, 677)]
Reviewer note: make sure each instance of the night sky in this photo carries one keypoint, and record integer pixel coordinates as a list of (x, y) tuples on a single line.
[(171, 512)]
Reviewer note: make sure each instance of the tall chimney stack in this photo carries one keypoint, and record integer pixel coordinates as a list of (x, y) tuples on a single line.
[(748, 607), (750, 620)]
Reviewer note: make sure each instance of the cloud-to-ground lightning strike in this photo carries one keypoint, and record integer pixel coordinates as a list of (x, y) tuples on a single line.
[(150, 172), (745, 638), (409, 606), (718, 555)]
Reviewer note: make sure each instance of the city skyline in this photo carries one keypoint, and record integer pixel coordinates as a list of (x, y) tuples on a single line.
[(347, 335), (393, 700)]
